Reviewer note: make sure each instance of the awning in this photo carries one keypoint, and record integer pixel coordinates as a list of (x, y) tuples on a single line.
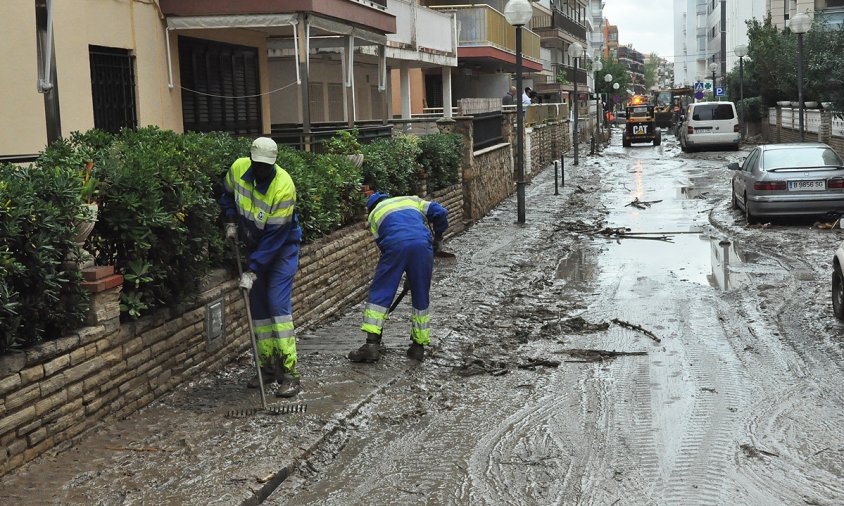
[(231, 21)]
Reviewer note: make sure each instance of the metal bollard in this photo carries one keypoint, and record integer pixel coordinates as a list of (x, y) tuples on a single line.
[(562, 171), (592, 147), (556, 177)]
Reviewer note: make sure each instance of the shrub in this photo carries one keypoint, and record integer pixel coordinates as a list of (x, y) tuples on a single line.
[(344, 142), (392, 165), (754, 108), (327, 191), (440, 156), (40, 296), (158, 218)]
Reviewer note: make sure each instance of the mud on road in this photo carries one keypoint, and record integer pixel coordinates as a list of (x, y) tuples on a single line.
[(719, 383)]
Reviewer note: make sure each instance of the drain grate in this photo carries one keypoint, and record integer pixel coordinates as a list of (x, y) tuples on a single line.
[(273, 411)]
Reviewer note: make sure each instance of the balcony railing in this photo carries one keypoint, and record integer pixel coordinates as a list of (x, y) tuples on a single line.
[(569, 25), (571, 73), (481, 25)]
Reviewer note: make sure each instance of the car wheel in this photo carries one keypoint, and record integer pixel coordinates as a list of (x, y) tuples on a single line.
[(748, 216), (733, 197), (683, 147), (837, 293), (625, 143)]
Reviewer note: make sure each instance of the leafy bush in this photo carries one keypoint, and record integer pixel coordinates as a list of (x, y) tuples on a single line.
[(392, 165), (754, 107), (159, 222), (39, 296), (327, 191), (344, 142), (440, 156)]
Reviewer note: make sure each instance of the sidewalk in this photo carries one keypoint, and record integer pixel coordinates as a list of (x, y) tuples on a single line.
[(182, 449)]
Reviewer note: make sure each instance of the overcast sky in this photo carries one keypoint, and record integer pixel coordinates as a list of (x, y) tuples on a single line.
[(647, 24)]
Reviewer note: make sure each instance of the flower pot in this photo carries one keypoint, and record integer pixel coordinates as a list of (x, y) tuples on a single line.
[(826, 105), (784, 103), (811, 105), (85, 225), (795, 104)]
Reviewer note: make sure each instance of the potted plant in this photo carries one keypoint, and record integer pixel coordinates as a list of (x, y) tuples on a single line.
[(87, 216), (811, 105), (345, 142)]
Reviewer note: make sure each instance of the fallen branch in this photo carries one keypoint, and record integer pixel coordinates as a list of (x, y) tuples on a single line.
[(141, 449), (587, 355), (642, 204), (633, 326)]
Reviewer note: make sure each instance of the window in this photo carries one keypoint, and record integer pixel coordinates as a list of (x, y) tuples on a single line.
[(801, 158), (220, 87), (709, 112), (113, 88)]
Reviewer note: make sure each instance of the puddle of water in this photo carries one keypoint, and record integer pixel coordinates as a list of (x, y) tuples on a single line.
[(726, 261), (697, 258), (577, 269)]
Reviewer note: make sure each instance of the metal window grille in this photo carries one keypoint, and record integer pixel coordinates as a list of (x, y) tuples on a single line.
[(220, 87), (486, 128), (113, 88)]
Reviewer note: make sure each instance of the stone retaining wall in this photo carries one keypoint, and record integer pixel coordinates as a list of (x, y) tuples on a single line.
[(774, 129), (547, 143)]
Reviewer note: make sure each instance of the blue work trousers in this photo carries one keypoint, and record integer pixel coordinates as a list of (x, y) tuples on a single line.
[(270, 300)]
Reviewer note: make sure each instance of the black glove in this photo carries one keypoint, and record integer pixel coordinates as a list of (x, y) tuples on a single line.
[(438, 239)]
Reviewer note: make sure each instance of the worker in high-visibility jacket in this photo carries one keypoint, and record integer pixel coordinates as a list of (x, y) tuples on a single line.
[(259, 202), (399, 225)]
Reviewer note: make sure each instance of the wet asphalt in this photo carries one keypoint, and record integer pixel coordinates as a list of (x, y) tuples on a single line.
[(693, 361)]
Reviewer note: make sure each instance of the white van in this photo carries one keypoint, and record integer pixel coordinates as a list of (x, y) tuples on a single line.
[(710, 124)]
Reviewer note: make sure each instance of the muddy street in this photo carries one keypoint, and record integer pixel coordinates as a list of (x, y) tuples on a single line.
[(634, 343)]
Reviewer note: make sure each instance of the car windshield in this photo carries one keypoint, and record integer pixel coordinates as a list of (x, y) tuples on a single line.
[(708, 112), (801, 158), (639, 112)]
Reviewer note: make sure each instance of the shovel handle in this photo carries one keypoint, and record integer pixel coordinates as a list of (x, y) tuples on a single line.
[(245, 293)]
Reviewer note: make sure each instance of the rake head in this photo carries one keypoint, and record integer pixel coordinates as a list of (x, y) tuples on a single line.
[(273, 410)]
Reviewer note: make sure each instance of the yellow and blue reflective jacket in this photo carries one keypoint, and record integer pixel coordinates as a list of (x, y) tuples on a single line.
[(402, 219), (266, 211)]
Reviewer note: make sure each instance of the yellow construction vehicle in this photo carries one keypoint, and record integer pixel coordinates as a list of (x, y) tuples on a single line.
[(641, 126)]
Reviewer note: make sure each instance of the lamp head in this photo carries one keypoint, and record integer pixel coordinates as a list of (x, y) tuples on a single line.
[(518, 12), (598, 66), (800, 23), (608, 78), (741, 50), (616, 86), (575, 49), (713, 67)]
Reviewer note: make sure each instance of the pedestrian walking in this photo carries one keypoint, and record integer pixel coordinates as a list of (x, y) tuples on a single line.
[(400, 227), (526, 96), (259, 204), (508, 97)]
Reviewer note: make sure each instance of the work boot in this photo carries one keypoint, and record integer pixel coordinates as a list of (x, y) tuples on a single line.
[(369, 352), (268, 376), (416, 352), (288, 386)]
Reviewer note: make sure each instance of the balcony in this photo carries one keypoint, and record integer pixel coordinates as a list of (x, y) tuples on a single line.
[(421, 28), (553, 26), (485, 34)]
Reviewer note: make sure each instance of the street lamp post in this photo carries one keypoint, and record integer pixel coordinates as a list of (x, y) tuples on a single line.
[(518, 13), (608, 79), (800, 24), (741, 52), (575, 51), (597, 67), (713, 67)]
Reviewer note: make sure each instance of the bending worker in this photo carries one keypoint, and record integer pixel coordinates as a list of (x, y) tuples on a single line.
[(401, 233), (261, 197)]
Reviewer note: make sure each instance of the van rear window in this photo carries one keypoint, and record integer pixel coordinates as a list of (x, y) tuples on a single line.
[(709, 112)]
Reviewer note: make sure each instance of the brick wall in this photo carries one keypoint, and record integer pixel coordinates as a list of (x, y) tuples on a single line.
[(779, 133), (548, 143), (488, 180), (55, 391)]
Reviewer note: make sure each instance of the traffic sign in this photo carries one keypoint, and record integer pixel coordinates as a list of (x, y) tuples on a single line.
[(699, 95), (720, 91), (698, 86), (707, 86)]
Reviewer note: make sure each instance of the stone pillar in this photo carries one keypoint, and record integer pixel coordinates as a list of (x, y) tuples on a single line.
[(825, 130), (446, 92), (404, 74), (104, 286)]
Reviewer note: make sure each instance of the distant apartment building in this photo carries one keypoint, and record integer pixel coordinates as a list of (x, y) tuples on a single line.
[(561, 23), (610, 39), (635, 63), (692, 34)]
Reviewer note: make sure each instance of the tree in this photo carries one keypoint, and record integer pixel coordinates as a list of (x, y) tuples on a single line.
[(620, 75), (651, 68)]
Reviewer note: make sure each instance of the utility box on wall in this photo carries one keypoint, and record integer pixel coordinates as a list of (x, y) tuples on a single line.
[(215, 323)]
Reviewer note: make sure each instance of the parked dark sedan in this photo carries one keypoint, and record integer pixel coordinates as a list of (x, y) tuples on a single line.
[(789, 180)]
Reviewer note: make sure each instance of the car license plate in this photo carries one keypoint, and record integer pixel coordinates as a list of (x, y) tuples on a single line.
[(803, 186)]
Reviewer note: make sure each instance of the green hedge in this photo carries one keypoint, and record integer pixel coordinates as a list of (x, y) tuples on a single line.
[(754, 107), (440, 156), (39, 296), (159, 220)]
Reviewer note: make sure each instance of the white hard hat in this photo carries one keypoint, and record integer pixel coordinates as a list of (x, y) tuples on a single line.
[(264, 150)]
